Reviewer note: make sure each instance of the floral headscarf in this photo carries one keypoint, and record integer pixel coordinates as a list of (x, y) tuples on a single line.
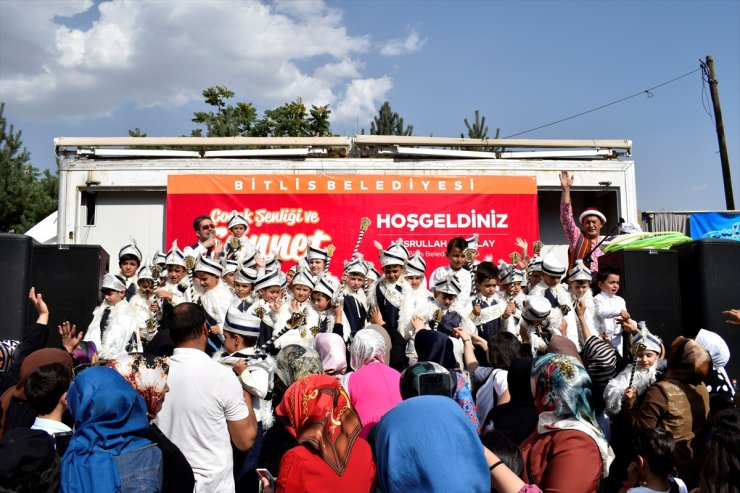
[(294, 362), (367, 346), (321, 416), (147, 374), (7, 348)]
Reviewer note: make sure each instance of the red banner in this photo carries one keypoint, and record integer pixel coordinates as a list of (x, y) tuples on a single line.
[(286, 213)]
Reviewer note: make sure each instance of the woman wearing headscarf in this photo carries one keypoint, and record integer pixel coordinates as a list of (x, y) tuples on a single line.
[(148, 376), (331, 455), (426, 444), (333, 352), (517, 418), (680, 404), (292, 363), (107, 451), (567, 438), (374, 386), (16, 412), (432, 345), (718, 381)]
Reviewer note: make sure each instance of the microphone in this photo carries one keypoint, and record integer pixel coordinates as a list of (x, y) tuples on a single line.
[(587, 258)]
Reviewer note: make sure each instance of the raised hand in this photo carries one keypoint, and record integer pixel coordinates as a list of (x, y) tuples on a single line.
[(566, 180), (68, 334)]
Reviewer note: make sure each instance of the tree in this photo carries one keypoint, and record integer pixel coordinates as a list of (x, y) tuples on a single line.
[(479, 131), (389, 122), (226, 121), (25, 198)]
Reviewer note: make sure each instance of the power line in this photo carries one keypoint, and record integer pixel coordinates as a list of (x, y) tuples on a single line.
[(647, 92)]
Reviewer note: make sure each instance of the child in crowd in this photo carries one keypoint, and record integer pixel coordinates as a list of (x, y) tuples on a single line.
[(216, 297), (330, 313), (534, 267), (456, 255), (229, 268), (391, 301), (144, 303), (557, 293), (177, 288), (355, 300), (539, 323), (129, 260), (487, 305), (238, 246), (268, 303), (316, 258), (415, 277), (244, 279), (113, 328), (611, 309), (653, 471), (298, 319), (510, 290), (579, 282), (46, 391)]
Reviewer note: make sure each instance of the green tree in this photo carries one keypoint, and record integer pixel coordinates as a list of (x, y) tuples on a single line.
[(479, 131), (227, 120), (25, 197), (389, 122)]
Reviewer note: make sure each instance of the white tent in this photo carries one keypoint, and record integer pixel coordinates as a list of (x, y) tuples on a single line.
[(45, 232)]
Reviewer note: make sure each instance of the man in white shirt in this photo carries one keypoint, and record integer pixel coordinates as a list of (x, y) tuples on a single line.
[(206, 408)]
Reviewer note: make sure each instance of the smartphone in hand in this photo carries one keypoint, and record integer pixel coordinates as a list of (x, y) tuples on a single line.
[(264, 473)]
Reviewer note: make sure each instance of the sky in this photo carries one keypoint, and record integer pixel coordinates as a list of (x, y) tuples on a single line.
[(83, 68)]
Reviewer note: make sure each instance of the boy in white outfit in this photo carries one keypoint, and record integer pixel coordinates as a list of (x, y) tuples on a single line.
[(144, 303), (113, 327), (611, 310)]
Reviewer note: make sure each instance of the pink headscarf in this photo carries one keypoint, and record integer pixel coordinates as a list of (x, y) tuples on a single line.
[(333, 352)]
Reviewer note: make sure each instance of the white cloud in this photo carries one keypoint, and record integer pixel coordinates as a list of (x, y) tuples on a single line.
[(699, 188), (157, 53), (412, 43)]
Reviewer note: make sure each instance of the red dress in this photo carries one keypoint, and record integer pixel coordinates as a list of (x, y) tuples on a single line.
[(303, 471)]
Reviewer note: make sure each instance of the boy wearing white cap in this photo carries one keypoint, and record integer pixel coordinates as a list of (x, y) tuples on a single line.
[(579, 282), (456, 248), (415, 276), (611, 309), (391, 301), (229, 269), (268, 304), (244, 296), (329, 306), (355, 300), (216, 297), (113, 327), (129, 260), (177, 288), (238, 246), (557, 293), (539, 323), (298, 320), (316, 258), (144, 303)]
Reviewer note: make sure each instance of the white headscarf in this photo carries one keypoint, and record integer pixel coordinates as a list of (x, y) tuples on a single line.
[(367, 346)]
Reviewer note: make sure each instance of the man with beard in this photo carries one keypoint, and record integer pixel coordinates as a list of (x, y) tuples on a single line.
[(581, 240)]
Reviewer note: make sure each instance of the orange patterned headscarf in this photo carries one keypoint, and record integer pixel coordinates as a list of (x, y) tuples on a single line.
[(321, 415)]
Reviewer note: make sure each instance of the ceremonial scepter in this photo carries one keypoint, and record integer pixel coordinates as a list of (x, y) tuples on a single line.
[(329, 253), (364, 225), (636, 350), (470, 254), (153, 324), (190, 264)]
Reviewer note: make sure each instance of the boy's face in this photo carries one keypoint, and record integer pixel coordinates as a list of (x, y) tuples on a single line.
[(392, 272), (414, 281), (229, 278), (534, 278), (487, 288), (290, 275), (579, 288), (355, 281), (270, 294), (239, 231), (512, 289), (456, 258), (128, 267), (112, 298), (301, 292), (321, 301), (242, 290), (610, 285), (206, 280), (551, 280), (647, 359), (445, 299), (231, 342), (146, 286), (176, 273), (316, 265)]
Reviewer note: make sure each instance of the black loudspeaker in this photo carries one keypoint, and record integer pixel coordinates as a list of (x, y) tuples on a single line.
[(69, 278), (709, 270), (650, 287), (15, 265)]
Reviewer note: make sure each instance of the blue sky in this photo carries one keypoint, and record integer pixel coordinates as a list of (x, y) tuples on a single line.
[(83, 68)]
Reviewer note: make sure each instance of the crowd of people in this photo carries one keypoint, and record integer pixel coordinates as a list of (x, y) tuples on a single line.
[(214, 368)]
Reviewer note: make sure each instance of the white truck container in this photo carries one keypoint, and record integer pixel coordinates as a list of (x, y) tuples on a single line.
[(113, 188)]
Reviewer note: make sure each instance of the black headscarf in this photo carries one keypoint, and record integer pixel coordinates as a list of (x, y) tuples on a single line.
[(435, 346), (517, 418)]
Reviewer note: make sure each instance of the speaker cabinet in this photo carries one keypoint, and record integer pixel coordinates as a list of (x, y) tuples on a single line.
[(709, 271), (650, 286), (15, 265), (69, 277)]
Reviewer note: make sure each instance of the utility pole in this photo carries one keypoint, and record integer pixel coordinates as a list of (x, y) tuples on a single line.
[(709, 73)]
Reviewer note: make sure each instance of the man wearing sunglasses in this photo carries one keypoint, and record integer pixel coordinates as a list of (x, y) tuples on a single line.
[(207, 244)]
